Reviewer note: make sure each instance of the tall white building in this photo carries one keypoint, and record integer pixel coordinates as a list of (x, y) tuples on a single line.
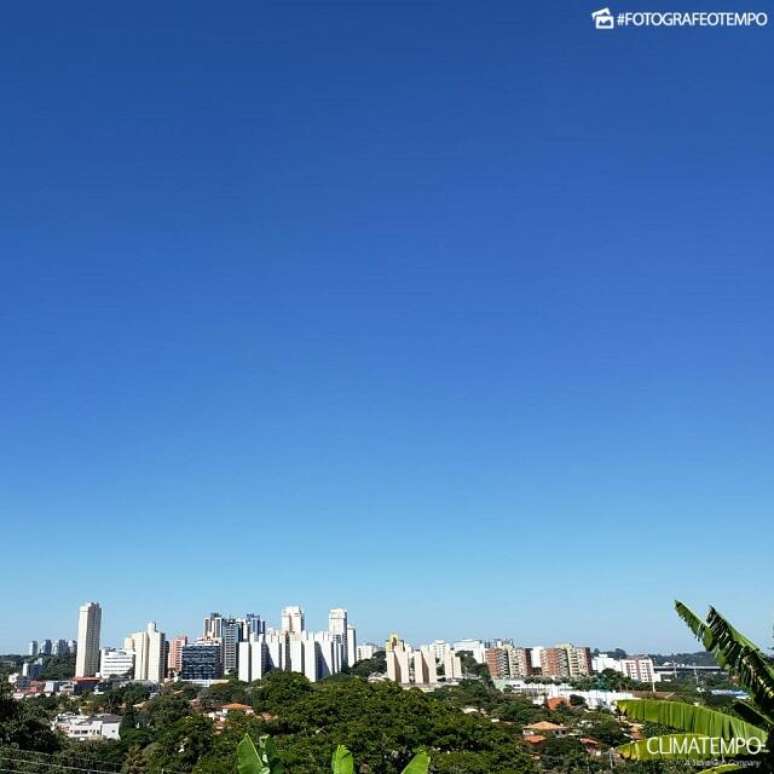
[(293, 620), (399, 663), (337, 621), (425, 669), (351, 650), (339, 626), (452, 666), (149, 656), (89, 625)]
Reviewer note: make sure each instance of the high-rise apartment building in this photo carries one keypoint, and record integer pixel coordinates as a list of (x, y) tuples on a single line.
[(46, 648), (497, 662), (89, 625), (292, 620), (578, 660), (337, 621), (252, 625), (33, 648), (505, 660), (339, 626), (519, 662), (212, 626), (175, 657), (231, 631), (553, 662), (149, 653), (351, 649), (638, 668), (425, 666), (200, 661), (398, 655)]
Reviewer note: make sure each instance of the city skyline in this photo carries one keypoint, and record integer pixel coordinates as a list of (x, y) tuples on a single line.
[(332, 619), (248, 647)]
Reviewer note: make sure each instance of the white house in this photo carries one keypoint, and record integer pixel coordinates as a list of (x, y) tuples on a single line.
[(74, 726)]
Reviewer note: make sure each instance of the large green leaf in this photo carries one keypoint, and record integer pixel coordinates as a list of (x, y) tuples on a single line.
[(722, 769), (744, 659), (252, 761), (248, 760), (419, 764), (270, 755), (697, 626), (691, 719), (342, 761), (754, 715), (736, 653)]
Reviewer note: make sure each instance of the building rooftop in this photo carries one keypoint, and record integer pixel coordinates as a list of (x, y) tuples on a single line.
[(545, 725)]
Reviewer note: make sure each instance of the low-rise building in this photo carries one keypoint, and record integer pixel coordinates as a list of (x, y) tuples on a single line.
[(366, 651), (101, 726), (116, 662)]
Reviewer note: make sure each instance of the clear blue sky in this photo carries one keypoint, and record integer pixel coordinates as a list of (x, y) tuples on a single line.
[(458, 315)]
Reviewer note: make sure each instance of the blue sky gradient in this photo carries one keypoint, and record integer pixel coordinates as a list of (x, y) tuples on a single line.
[(457, 315)]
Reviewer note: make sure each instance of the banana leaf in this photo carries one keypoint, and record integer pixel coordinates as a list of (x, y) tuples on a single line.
[(691, 719), (342, 761)]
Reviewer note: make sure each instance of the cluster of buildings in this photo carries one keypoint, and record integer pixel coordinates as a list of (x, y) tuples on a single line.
[(504, 660), (52, 648), (243, 646), (426, 665), (248, 648), (295, 649), (565, 661)]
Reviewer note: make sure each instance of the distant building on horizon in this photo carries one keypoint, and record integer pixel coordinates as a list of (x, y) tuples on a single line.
[(339, 626), (89, 625), (149, 653), (292, 620)]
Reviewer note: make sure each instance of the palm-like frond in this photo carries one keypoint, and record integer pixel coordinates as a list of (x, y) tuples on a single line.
[(745, 660), (691, 719), (736, 653), (698, 627), (753, 715), (722, 769), (419, 764)]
